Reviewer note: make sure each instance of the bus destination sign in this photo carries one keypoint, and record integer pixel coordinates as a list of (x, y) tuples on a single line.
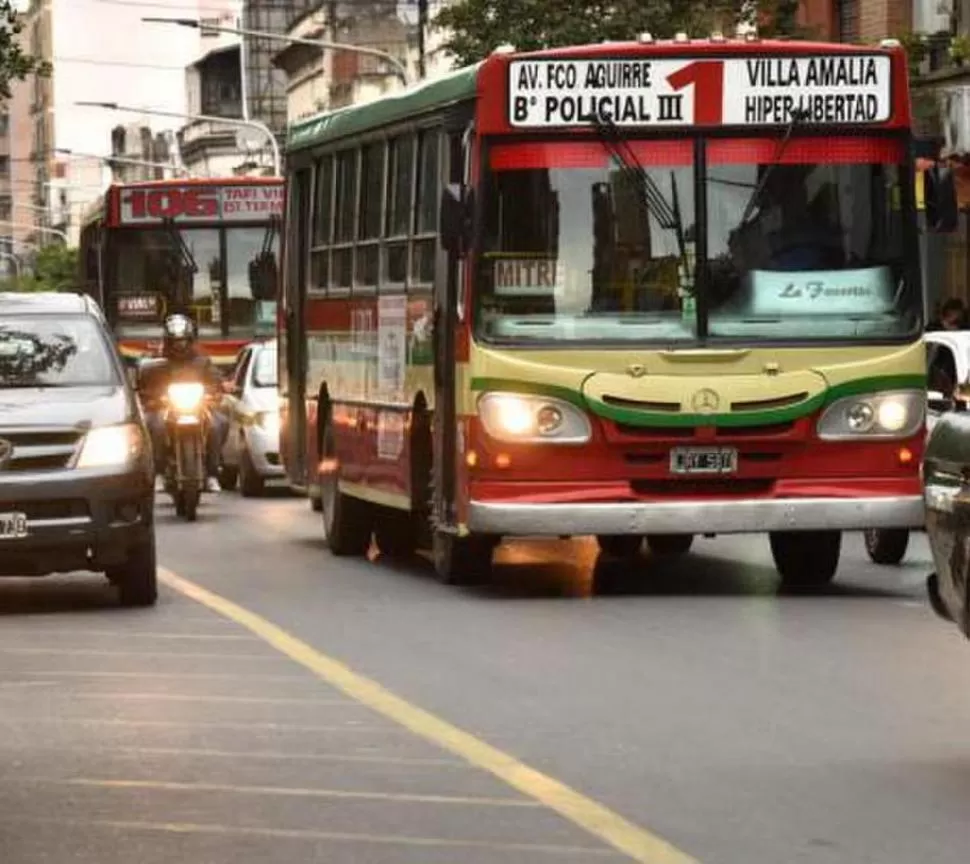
[(836, 89), (200, 203)]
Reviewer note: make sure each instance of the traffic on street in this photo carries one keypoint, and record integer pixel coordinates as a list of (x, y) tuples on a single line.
[(281, 704)]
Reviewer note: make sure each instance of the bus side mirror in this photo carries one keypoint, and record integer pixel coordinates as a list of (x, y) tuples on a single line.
[(940, 197), (454, 218)]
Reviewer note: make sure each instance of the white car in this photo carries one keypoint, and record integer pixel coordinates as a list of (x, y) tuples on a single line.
[(888, 545), (251, 454)]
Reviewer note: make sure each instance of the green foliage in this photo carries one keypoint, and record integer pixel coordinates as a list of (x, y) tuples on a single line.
[(15, 63), (55, 269), (473, 28)]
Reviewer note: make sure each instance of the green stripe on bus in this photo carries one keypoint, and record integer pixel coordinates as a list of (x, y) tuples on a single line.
[(633, 417)]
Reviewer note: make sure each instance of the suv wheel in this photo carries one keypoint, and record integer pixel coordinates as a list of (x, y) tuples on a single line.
[(137, 579)]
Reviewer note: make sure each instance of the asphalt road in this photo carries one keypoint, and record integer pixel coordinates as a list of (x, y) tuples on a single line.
[(703, 709)]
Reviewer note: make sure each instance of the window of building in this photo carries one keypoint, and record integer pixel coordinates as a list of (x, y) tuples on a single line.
[(4, 124), (848, 20), (4, 166)]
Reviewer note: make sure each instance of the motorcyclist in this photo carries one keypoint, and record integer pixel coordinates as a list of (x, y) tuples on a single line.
[(182, 359)]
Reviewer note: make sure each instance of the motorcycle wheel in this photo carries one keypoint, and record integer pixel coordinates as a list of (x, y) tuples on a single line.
[(191, 500)]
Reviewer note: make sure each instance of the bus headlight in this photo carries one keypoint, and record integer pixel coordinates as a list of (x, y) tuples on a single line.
[(897, 414), (524, 419)]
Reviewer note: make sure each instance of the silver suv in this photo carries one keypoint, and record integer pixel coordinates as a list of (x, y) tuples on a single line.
[(76, 478)]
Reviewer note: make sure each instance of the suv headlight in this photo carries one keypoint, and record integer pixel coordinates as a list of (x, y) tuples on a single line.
[(896, 414), (111, 446), (532, 419)]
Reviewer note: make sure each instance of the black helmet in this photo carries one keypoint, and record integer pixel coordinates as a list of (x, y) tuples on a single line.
[(179, 334)]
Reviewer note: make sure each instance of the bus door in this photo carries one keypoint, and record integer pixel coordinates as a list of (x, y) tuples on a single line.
[(293, 343), (446, 324)]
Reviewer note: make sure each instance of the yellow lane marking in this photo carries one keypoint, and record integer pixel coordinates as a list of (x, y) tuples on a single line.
[(203, 753), (282, 791), (636, 842), (303, 834), (349, 726)]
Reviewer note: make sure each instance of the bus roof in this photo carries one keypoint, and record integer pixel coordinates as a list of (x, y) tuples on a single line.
[(463, 84)]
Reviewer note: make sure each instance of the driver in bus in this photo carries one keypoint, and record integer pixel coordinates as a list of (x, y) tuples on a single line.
[(181, 353)]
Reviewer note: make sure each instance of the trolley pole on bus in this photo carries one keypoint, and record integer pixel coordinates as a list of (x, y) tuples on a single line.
[(199, 118), (400, 70)]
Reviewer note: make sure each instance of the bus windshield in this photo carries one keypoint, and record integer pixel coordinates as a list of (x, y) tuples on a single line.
[(206, 270), (575, 247)]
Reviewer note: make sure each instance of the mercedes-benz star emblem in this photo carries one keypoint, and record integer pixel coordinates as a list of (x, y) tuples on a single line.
[(705, 401), (6, 451)]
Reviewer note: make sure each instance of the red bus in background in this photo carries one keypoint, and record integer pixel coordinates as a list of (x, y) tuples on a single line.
[(208, 247)]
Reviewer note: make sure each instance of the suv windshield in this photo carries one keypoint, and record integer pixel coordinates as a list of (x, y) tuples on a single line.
[(572, 250), (48, 351), (264, 368)]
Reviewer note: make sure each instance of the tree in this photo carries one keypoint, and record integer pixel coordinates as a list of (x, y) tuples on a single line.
[(475, 27), (15, 63), (55, 269)]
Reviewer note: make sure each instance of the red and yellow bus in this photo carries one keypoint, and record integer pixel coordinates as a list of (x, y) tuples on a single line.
[(205, 246), (641, 291)]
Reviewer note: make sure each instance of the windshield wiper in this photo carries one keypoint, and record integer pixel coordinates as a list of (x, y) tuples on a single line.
[(797, 118), (188, 260), (651, 199)]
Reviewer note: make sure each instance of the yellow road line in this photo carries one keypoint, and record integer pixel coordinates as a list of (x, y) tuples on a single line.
[(303, 834), (636, 842), (282, 791), (238, 755)]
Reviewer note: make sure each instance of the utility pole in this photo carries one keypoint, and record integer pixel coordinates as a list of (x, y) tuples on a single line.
[(422, 29)]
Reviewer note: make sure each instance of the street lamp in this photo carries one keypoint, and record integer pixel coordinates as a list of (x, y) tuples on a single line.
[(399, 69), (198, 118), (121, 160)]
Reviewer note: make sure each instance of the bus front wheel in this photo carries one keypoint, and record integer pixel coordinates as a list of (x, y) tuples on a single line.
[(806, 559), (347, 521), (462, 560)]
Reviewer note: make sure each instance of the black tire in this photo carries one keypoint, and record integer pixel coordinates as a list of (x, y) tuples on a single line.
[(228, 477), (251, 485), (462, 560), (191, 500), (620, 545), (806, 559), (886, 545), (394, 531), (316, 505), (669, 545), (347, 521), (137, 578)]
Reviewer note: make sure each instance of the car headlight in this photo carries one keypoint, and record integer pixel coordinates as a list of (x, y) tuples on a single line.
[(186, 396), (111, 446), (521, 418), (897, 414)]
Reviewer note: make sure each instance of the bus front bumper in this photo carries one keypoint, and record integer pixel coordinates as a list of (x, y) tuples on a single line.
[(696, 516)]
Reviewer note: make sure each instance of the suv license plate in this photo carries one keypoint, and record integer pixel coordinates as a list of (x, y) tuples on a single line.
[(703, 460), (13, 526)]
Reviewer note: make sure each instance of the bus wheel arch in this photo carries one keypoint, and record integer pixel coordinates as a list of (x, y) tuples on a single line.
[(347, 521)]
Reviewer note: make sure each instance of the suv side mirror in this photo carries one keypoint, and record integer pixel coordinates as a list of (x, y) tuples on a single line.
[(940, 199), (455, 218)]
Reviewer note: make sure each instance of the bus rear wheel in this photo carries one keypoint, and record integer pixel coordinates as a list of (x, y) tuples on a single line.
[(347, 521), (621, 546), (806, 559), (462, 560), (669, 545), (886, 545)]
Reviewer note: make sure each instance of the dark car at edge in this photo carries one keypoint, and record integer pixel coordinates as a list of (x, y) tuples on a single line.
[(76, 474)]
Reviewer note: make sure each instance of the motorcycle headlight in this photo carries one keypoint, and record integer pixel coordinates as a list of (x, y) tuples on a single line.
[(111, 446), (524, 419), (186, 397), (896, 414)]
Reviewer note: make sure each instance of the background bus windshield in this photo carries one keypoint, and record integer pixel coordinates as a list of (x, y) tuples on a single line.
[(804, 242), (152, 273)]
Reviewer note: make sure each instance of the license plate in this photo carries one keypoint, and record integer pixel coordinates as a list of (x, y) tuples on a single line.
[(13, 526), (703, 460)]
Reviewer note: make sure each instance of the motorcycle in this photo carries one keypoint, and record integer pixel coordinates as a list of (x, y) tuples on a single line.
[(186, 429)]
